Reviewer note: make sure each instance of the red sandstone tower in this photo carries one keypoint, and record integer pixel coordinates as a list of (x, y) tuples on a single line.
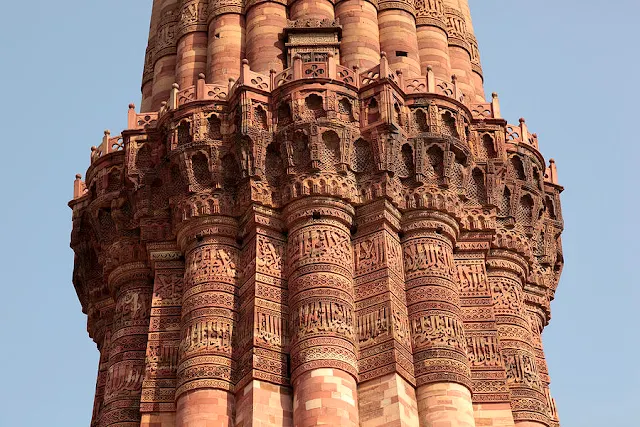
[(317, 219)]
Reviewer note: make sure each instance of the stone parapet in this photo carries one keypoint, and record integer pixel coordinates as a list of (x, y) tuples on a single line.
[(317, 218)]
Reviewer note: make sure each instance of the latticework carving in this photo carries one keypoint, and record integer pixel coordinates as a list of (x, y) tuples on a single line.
[(321, 225)]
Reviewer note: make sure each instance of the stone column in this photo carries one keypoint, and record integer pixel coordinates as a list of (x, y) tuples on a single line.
[(226, 41), (158, 390), (209, 314), (263, 394), (130, 283), (164, 54), (321, 300), (192, 36), (538, 319), (459, 48), (398, 37), (437, 332), (477, 78), (101, 316), (506, 272), (386, 392), (265, 23), (311, 9), (432, 38), (360, 43), (147, 74), (491, 399)]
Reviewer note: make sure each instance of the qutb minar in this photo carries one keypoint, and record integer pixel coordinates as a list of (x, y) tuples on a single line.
[(316, 218)]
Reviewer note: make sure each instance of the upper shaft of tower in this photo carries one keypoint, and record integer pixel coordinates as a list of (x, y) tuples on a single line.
[(212, 37)]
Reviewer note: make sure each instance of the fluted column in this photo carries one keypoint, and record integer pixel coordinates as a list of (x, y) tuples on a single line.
[(459, 48), (537, 320), (360, 43), (209, 313), (263, 393), (265, 23), (435, 317), (226, 41), (491, 397), (147, 73), (192, 36), (103, 319), (130, 283), (311, 9), (164, 54), (506, 271), (477, 78), (385, 360), (321, 300), (158, 390), (398, 37), (432, 38)]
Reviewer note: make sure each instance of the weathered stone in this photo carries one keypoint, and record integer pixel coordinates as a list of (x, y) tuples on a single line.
[(330, 230)]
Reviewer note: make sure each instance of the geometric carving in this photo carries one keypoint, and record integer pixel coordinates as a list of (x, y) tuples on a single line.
[(359, 218)]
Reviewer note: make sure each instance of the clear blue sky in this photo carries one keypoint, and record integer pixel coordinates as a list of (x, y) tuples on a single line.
[(71, 67)]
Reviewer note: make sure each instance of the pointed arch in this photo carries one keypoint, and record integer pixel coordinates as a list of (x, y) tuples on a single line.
[(301, 151), (517, 168), (200, 168), (420, 118), (230, 172), (345, 110), (315, 104), (436, 159), (362, 157), (550, 206), (274, 169), (373, 112), (397, 114), (260, 118), (406, 168), (449, 124), (215, 126), (143, 157), (284, 114), (505, 203), (331, 156), (525, 214), (184, 132), (488, 146), (477, 191)]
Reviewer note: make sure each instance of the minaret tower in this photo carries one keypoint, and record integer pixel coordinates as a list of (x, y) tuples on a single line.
[(317, 218)]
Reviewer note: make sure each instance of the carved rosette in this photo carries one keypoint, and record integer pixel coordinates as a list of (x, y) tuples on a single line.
[(193, 17), (431, 12), (321, 294), (433, 298), (505, 271), (457, 29), (209, 307)]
